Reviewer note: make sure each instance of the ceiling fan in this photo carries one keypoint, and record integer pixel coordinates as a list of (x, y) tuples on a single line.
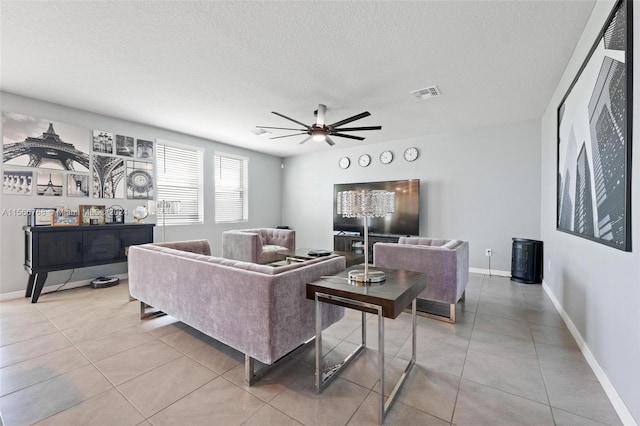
[(319, 131)]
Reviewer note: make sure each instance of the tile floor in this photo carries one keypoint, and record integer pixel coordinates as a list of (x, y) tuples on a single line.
[(82, 356)]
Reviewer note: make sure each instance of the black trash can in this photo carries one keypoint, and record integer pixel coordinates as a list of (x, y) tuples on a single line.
[(526, 261)]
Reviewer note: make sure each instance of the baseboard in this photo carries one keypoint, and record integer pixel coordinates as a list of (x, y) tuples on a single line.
[(490, 272), (51, 288), (618, 404)]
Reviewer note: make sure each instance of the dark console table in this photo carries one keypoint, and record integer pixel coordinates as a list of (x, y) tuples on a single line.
[(56, 248)]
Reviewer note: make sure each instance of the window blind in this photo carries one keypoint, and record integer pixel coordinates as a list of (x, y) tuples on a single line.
[(231, 199), (179, 184)]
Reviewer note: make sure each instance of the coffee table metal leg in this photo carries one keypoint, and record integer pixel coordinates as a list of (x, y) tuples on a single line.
[(408, 368), (324, 377), (318, 344), (381, 411)]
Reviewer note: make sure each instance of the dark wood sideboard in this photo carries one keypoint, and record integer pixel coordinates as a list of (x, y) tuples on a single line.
[(56, 248)]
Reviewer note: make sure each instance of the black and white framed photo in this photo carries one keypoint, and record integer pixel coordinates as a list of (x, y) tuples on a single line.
[(102, 142), (49, 183), (77, 185), (594, 139), (41, 216), (108, 174), (139, 180), (17, 182), (144, 149), (34, 142), (124, 145)]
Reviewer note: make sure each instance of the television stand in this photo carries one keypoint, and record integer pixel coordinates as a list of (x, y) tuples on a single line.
[(355, 243)]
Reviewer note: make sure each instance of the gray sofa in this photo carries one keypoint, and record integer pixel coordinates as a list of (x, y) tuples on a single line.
[(260, 245), (445, 262), (262, 311)]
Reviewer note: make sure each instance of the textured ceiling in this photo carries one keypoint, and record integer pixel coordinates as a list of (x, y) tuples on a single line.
[(217, 69)]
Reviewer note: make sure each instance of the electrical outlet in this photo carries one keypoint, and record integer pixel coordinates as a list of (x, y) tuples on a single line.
[(487, 252)]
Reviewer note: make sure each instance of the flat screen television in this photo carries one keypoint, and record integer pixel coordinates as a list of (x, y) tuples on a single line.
[(405, 220)]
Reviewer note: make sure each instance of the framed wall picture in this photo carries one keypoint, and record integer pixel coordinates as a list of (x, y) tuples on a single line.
[(91, 214), (49, 183), (17, 182), (77, 185), (41, 216), (64, 217), (594, 139), (35, 142)]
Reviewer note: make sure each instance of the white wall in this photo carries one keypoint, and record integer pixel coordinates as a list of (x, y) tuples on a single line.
[(265, 201), (481, 185), (597, 286)]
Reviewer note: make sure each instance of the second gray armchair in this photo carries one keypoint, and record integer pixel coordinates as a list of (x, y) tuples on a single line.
[(445, 262), (260, 245)]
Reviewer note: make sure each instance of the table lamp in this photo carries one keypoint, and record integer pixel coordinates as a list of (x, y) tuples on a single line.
[(366, 203)]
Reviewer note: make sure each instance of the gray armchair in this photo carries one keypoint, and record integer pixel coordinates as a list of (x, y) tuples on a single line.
[(261, 245), (445, 262)]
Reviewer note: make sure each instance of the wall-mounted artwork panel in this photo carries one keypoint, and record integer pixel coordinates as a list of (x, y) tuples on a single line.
[(594, 139), (34, 142), (108, 174), (124, 145), (49, 183), (102, 142), (77, 185), (139, 180), (144, 149), (17, 182)]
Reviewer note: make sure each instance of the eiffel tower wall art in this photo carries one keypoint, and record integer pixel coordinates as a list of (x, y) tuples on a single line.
[(34, 142), (108, 173)]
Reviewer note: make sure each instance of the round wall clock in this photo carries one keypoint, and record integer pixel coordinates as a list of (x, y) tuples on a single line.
[(344, 162), (364, 160), (410, 154), (386, 157)]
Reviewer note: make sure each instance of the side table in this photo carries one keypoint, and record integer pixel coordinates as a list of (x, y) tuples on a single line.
[(387, 299)]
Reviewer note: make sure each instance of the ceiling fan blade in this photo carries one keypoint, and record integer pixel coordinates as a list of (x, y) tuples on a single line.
[(342, 135), (290, 119), (350, 119), (304, 140), (280, 128), (355, 129), (286, 136), (328, 140), (322, 109)]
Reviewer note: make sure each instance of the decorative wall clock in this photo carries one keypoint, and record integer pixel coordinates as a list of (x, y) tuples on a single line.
[(344, 163), (386, 157), (364, 160), (411, 154)]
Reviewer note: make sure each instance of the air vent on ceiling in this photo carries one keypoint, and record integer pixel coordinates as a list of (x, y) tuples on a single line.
[(260, 132), (426, 93)]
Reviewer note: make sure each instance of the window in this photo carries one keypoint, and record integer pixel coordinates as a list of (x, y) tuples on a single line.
[(179, 184), (232, 194)]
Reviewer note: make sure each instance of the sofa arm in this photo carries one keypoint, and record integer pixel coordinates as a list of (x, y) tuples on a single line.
[(240, 245), (193, 246)]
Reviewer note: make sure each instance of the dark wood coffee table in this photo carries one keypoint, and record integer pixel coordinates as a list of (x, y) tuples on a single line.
[(387, 299), (303, 253)]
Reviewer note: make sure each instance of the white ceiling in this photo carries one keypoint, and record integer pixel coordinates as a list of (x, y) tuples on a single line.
[(217, 69)]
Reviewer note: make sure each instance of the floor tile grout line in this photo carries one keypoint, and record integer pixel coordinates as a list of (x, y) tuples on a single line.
[(466, 355)]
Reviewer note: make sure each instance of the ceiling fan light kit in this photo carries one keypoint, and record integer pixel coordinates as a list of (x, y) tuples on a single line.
[(321, 132)]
